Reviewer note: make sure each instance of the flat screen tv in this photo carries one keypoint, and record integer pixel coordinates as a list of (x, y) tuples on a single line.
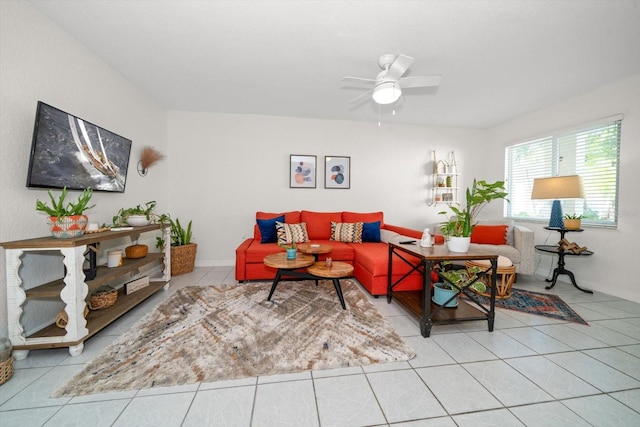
[(68, 151)]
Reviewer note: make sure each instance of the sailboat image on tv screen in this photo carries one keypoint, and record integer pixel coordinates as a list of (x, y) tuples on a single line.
[(93, 158)]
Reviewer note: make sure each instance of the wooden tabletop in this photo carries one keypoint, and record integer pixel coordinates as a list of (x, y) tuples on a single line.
[(279, 260), (337, 269), (314, 248)]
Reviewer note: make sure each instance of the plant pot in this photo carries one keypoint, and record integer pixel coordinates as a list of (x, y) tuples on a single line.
[(441, 295), (137, 220), (67, 226), (183, 259), (572, 224), (291, 253), (459, 244)]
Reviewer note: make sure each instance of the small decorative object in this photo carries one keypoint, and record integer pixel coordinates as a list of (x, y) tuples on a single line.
[(114, 259), (66, 221), (103, 297), (136, 285), (291, 253), (447, 197), (328, 262), (452, 166), (566, 246), (138, 220), (62, 318), (136, 251), (148, 158), (92, 226), (337, 172), (425, 242), (449, 181), (572, 222)]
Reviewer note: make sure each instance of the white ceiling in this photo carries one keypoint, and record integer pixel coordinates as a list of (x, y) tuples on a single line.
[(499, 59)]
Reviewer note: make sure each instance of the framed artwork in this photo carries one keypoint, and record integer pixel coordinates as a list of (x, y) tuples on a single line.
[(337, 172), (302, 171)]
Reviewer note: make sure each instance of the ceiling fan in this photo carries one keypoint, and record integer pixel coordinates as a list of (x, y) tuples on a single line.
[(388, 84)]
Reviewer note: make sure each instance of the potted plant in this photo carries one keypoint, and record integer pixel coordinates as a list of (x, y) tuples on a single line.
[(458, 228), (573, 222), (67, 220), (291, 249), (183, 252), (138, 216), (456, 280)]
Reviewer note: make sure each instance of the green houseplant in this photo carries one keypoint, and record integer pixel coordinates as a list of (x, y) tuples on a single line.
[(461, 223), (573, 222), (139, 215), (66, 220), (183, 252), (456, 280)]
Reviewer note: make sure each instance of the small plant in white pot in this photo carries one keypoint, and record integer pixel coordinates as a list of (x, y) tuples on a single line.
[(67, 220), (138, 216), (459, 226)]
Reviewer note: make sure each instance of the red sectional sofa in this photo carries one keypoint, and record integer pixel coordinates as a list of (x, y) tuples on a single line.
[(369, 259)]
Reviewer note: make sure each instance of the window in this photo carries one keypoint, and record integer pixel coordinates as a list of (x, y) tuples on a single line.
[(593, 152)]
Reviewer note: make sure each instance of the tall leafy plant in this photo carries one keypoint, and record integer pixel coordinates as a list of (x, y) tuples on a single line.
[(58, 207), (180, 236), (477, 197)]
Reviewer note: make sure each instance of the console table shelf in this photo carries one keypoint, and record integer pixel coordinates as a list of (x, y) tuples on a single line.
[(74, 288)]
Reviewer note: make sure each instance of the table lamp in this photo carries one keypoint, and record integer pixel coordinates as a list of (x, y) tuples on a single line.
[(557, 187)]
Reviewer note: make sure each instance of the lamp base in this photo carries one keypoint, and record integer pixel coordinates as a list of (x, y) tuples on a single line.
[(556, 220)]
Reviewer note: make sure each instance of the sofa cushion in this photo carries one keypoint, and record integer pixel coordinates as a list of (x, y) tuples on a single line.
[(319, 223), (291, 217), (505, 250), (268, 229), (350, 232), (489, 234), (290, 233), (363, 217), (371, 231)]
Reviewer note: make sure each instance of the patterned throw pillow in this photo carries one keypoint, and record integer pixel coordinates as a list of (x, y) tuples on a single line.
[(289, 233), (346, 232)]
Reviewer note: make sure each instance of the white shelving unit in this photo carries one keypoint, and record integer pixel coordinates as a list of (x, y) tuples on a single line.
[(444, 181), (73, 288)]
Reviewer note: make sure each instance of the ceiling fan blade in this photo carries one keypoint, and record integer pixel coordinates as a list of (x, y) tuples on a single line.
[(360, 97), (399, 66), (420, 81), (357, 79)]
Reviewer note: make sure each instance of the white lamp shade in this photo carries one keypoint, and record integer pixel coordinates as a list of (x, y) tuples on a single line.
[(386, 92), (558, 187)]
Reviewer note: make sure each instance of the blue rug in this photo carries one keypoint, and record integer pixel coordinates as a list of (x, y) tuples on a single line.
[(537, 303)]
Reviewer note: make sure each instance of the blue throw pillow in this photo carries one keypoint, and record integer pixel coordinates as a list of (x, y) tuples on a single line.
[(268, 229), (371, 231)]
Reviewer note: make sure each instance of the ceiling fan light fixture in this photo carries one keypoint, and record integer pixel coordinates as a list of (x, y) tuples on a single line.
[(387, 92)]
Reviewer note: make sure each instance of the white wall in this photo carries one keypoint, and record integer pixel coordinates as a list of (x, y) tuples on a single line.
[(226, 167), (38, 61), (611, 268)]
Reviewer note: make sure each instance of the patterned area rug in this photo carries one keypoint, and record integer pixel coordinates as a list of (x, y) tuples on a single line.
[(211, 333), (537, 303)]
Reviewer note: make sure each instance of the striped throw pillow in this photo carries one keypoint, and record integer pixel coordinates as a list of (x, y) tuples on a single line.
[(290, 233), (350, 232)]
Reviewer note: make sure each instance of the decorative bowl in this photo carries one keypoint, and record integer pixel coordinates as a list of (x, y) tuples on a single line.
[(137, 220)]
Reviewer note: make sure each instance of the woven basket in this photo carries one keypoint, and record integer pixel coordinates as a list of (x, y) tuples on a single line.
[(62, 318), (183, 258), (136, 251), (6, 370), (103, 297)]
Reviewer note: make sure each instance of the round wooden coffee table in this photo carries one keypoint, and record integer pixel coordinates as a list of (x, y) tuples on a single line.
[(283, 265), (505, 268), (315, 249), (338, 270)]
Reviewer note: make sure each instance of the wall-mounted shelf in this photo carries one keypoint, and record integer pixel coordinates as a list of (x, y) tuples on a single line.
[(444, 181)]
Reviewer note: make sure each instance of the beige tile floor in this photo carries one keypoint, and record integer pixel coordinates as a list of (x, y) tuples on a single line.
[(530, 371)]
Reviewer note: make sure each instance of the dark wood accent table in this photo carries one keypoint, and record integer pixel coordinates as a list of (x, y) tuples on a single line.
[(419, 302)]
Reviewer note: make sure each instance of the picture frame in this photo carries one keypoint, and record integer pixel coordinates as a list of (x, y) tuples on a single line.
[(302, 171), (337, 172)]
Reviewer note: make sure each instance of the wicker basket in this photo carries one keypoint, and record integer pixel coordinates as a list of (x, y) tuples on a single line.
[(6, 370), (62, 318), (103, 297), (136, 251), (183, 258)]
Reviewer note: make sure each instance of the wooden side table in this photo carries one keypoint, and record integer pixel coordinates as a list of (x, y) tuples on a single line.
[(338, 270), (506, 270), (314, 249)]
